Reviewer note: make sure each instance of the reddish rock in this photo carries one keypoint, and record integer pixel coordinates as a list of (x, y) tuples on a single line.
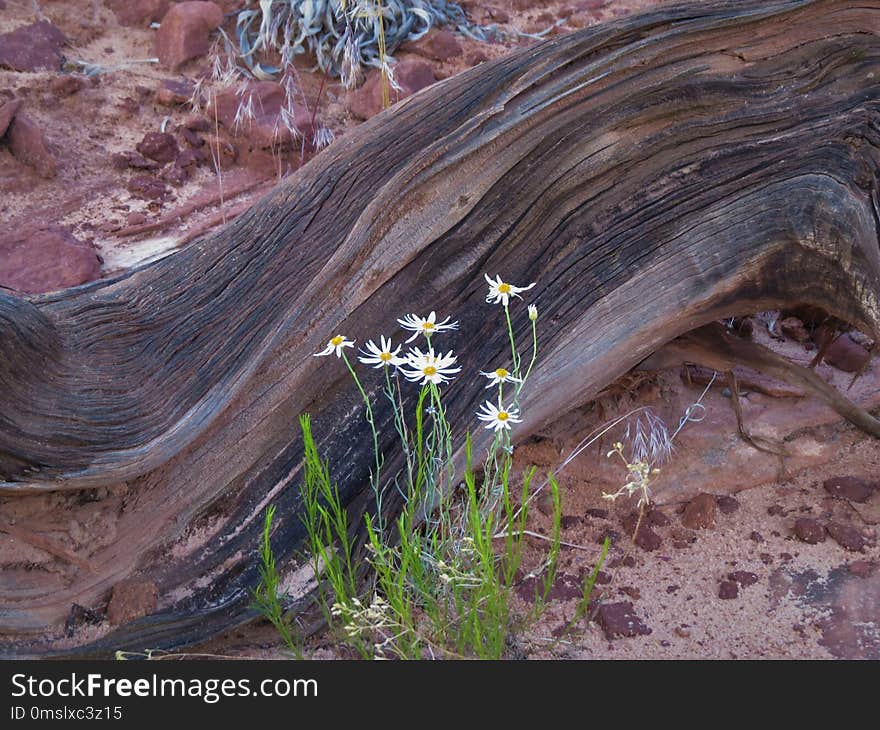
[(847, 355), (67, 85), (131, 599), (134, 160), (793, 328), (743, 327), (7, 112), (850, 488), (138, 13), (261, 113), (185, 32), (657, 518), (809, 530), (135, 219), (190, 158), (35, 47), (645, 538), (436, 44), (847, 536), (158, 146), (563, 589), (198, 123), (475, 58), (728, 590), (147, 188), (27, 144), (619, 619), (728, 505), (191, 138), (174, 93), (743, 577), (43, 260), (699, 513), (411, 75)]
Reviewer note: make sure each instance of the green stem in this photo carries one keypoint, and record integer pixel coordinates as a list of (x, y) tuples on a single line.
[(372, 422), (514, 355), (400, 421), (525, 377), (445, 434)]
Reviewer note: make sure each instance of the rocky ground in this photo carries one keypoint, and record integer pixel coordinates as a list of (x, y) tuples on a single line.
[(120, 142)]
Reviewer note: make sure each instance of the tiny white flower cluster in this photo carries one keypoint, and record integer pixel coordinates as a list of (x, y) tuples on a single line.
[(435, 367)]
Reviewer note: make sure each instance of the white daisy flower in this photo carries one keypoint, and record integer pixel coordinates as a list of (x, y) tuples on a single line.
[(533, 312), (335, 345), (381, 355), (497, 419), (426, 326), (501, 375), (428, 367), (500, 291)]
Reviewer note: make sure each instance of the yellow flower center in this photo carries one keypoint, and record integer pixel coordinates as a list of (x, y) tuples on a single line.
[(502, 373), (504, 288), (429, 370), (385, 356), (503, 415), (337, 341), (428, 326)]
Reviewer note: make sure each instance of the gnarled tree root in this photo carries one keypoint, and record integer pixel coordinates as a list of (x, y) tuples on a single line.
[(652, 175)]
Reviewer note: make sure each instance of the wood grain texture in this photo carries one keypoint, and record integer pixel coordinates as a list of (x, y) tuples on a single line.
[(652, 175)]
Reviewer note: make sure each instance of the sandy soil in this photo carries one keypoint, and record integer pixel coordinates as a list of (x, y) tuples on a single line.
[(794, 600)]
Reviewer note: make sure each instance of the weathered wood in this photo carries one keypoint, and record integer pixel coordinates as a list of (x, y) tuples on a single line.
[(652, 175)]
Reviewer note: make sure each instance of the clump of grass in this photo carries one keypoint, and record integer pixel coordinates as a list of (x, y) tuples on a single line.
[(438, 579), (442, 572), (266, 595)]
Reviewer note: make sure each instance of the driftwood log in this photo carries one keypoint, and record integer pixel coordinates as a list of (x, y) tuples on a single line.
[(652, 175)]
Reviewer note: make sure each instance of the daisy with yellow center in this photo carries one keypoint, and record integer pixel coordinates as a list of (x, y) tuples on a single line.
[(498, 418), (499, 376), (381, 355), (335, 345), (428, 367), (426, 326), (500, 292)]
